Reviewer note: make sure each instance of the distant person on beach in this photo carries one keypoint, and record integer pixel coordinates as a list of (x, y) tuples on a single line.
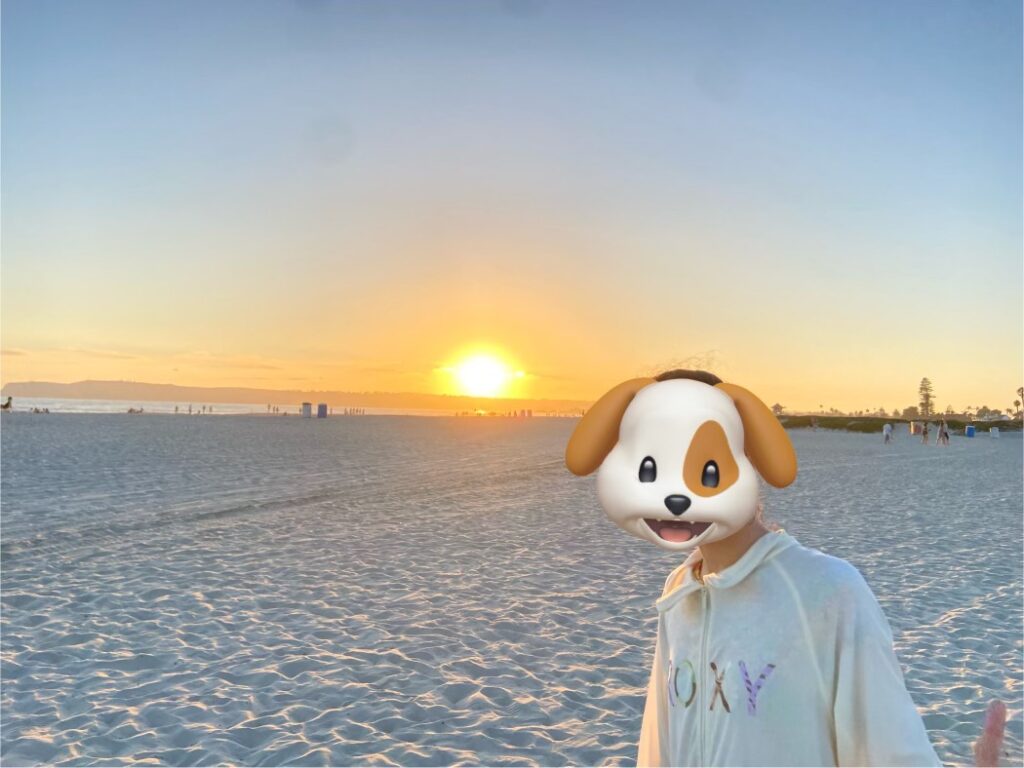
[(767, 652), (887, 433), (943, 438), (924, 433)]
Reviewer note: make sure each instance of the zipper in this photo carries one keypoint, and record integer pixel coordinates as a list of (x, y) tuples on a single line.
[(706, 605)]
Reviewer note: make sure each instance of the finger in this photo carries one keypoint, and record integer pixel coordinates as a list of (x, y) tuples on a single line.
[(990, 743)]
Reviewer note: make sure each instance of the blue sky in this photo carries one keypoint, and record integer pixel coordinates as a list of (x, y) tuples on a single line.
[(820, 187)]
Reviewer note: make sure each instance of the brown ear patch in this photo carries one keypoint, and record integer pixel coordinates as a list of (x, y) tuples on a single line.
[(764, 439), (709, 443), (598, 430)]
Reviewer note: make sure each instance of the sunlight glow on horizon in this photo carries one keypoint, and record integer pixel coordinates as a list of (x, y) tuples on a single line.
[(482, 374)]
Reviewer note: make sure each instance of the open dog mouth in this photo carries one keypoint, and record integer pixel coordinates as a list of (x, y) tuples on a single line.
[(676, 530)]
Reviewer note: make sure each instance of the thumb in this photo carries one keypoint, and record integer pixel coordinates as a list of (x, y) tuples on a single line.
[(990, 743)]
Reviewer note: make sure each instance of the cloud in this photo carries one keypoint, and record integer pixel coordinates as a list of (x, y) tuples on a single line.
[(248, 364), (210, 360), (13, 352), (104, 353), (549, 376)]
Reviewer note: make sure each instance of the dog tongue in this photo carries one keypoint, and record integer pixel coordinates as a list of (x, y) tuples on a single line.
[(672, 533)]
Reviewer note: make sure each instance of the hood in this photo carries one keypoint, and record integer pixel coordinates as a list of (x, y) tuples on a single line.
[(764, 549)]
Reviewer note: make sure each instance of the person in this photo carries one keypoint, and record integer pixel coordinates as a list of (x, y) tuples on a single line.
[(943, 437), (887, 433), (767, 652), (924, 434)]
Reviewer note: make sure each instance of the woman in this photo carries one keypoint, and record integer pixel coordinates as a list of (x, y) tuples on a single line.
[(768, 652), (943, 433)]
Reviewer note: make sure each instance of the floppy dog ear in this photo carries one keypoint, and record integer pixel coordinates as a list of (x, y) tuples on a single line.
[(598, 430), (764, 439)]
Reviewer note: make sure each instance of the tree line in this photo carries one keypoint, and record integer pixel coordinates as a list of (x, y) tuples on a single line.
[(926, 408)]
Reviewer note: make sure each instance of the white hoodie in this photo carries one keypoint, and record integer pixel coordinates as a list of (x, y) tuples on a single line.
[(783, 658)]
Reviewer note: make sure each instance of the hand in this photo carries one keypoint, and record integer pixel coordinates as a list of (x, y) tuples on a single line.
[(990, 744)]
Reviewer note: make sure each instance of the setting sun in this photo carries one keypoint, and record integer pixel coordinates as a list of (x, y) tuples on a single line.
[(483, 375)]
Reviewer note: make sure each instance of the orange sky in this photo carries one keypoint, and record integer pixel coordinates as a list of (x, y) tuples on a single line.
[(342, 201)]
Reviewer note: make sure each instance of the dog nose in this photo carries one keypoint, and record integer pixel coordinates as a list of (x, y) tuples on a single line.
[(677, 504)]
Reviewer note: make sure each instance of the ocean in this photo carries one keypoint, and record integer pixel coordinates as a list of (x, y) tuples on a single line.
[(394, 590), (184, 408)]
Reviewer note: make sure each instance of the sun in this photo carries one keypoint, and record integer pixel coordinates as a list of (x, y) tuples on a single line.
[(483, 375)]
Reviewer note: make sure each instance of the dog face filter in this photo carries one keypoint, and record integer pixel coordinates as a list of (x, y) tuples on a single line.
[(678, 460)]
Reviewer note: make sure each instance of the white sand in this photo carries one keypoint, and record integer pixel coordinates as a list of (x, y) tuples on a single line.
[(429, 591)]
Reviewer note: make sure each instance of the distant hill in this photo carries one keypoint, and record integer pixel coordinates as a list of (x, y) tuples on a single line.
[(135, 390)]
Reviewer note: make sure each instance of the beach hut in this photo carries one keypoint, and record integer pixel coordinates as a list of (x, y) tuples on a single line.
[(321, 410), (993, 431), (307, 410), (969, 430)]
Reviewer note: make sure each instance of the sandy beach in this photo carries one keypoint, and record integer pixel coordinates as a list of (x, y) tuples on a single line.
[(409, 591)]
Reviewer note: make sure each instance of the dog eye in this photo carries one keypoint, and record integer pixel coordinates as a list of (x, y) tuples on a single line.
[(648, 470), (709, 477)]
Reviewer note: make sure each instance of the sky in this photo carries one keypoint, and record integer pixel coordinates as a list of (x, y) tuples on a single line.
[(821, 202)]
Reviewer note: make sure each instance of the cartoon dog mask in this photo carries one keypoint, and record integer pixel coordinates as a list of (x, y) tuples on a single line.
[(676, 457)]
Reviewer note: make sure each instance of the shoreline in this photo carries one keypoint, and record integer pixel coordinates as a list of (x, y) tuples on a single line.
[(114, 407), (424, 412), (865, 425)]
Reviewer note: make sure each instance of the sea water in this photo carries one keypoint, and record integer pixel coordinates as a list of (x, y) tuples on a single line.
[(401, 590)]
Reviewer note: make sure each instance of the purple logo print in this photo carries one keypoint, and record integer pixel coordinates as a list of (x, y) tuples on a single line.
[(754, 687)]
